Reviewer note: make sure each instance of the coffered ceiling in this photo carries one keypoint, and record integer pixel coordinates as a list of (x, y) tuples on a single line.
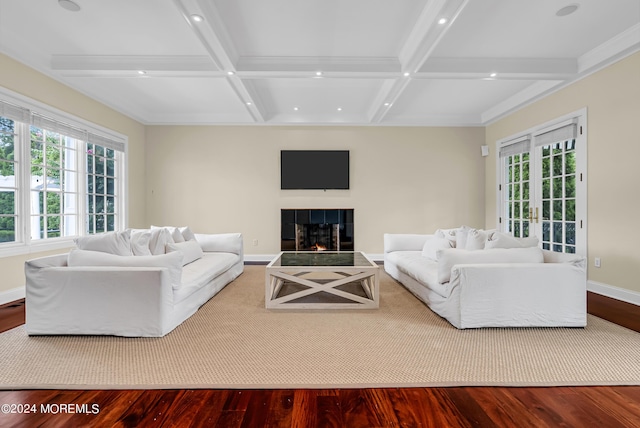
[(381, 62)]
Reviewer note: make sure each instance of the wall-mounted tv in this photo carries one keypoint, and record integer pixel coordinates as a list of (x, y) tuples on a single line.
[(314, 169)]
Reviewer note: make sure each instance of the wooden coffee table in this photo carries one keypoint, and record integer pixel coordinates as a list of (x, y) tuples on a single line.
[(322, 280)]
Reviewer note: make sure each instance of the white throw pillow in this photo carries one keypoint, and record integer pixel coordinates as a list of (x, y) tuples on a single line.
[(187, 234), (171, 261), (140, 239), (118, 243), (176, 234), (505, 240), (431, 247), (477, 239), (455, 256), (461, 236), (191, 250), (160, 237), (449, 234)]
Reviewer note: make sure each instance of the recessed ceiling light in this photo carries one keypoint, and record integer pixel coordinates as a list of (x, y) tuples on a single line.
[(197, 18), (442, 21), (248, 103), (230, 73), (567, 10), (142, 72), (318, 73), (406, 74), (493, 74), (296, 109), (339, 108), (69, 5)]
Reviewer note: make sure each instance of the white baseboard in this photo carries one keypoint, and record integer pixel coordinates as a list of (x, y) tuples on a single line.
[(262, 258), (12, 295), (614, 292)]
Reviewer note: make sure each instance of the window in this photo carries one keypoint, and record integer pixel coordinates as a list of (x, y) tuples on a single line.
[(543, 185), (59, 177)]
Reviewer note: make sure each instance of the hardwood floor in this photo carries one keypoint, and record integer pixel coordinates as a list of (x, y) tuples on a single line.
[(602, 406)]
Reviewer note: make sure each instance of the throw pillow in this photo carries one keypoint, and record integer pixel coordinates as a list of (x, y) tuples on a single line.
[(461, 236), (476, 240), (450, 234), (191, 250), (431, 247), (505, 240), (176, 234), (140, 239), (172, 261), (160, 237), (455, 256), (118, 243), (187, 234)]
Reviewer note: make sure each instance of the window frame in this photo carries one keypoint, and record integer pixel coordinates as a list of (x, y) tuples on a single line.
[(531, 135), (98, 135)]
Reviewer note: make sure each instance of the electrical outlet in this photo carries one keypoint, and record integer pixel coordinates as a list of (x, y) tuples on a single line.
[(596, 262), (255, 242)]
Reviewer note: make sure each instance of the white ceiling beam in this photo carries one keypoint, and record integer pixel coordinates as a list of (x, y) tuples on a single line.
[(422, 40), (214, 38), (505, 68)]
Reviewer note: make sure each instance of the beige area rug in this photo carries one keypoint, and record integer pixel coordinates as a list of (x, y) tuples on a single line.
[(233, 342)]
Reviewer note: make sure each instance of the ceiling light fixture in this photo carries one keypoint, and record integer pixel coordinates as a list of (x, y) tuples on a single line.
[(339, 108), (142, 72), (318, 73), (197, 18), (442, 21), (248, 103), (69, 5), (567, 10), (406, 74), (231, 73), (493, 74), (296, 109)]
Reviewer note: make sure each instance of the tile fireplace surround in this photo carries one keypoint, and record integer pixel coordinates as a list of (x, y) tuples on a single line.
[(316, 229)]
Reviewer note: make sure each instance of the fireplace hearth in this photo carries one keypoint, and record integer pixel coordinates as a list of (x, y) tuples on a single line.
[(317, 230)]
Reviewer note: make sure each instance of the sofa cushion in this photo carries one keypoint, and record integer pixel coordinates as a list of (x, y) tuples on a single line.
[(118, 243), (221, 242), (172, 261), (505, 240), (190, 250), (423, 270), (455, 256), (206, 268), (433, 244)]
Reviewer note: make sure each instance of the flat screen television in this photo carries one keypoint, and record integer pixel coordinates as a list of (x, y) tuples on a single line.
[(314, 169)]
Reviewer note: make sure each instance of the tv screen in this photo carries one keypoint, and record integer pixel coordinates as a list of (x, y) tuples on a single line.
[(314, 169)]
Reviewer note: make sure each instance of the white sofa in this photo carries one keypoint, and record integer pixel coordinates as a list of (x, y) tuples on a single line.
[(129, 288), (490, 287)]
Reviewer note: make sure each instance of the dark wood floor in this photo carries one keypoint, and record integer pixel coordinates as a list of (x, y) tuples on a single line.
[(602, 406)]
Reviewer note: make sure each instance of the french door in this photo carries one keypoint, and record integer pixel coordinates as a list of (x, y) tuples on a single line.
[(542, 189)]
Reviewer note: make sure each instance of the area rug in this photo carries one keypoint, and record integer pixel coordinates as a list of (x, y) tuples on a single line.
[(234, 342)]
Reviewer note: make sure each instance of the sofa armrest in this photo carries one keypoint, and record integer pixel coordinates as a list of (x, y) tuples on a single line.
[(404, 242), (526, 294), (221, 242), (127, 301)]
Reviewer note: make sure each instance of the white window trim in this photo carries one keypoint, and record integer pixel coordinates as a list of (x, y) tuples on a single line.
[(27, 246)]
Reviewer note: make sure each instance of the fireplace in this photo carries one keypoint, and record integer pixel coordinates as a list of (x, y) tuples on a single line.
[(317, 230)]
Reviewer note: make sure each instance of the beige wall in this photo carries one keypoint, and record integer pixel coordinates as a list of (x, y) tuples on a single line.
[(612, 99), (403, 179), (30, 83)]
